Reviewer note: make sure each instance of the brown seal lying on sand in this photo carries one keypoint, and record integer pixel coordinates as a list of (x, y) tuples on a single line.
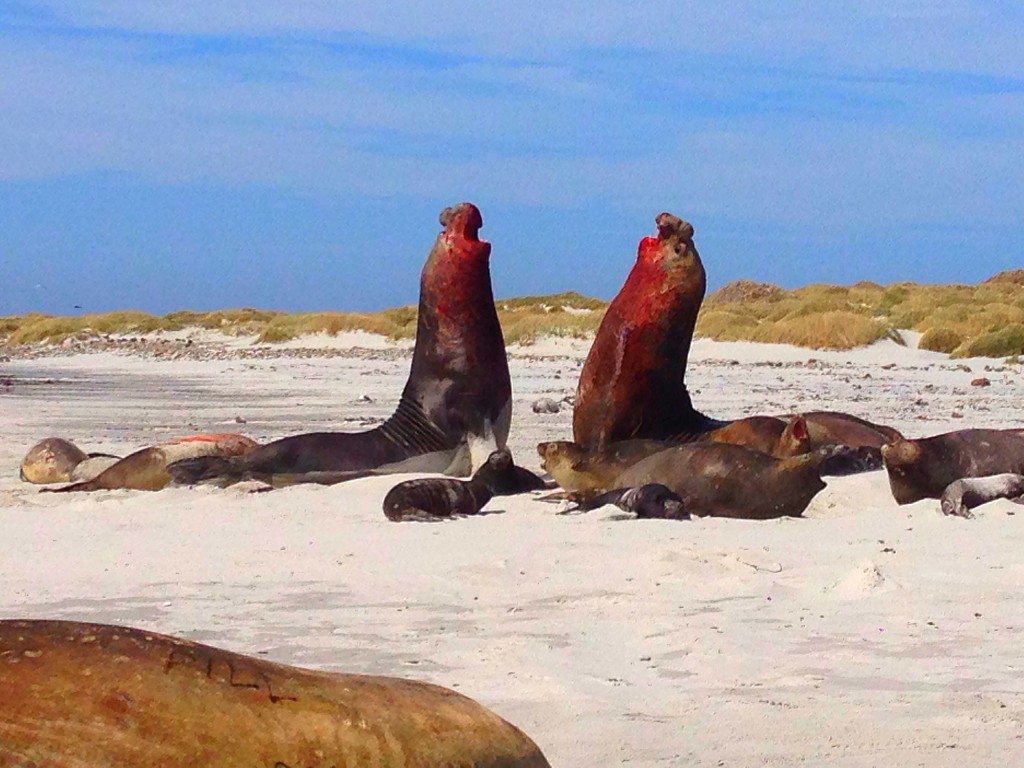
[(438, 498), (94, 695), (456, 407), (146, 470), (632, 383), (723, 480), (719, 479), (961, 496), (924, 468), (578, 468), (56, 460), (778, 437)]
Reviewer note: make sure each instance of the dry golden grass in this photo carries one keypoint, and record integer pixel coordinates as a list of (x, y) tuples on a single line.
[(964, 320)]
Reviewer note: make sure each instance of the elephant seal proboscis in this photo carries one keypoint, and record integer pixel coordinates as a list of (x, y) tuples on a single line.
[(631, 385), (94, 695), (456, 407)]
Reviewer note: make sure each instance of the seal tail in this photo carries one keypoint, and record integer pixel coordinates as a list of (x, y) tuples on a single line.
[(207, 469)]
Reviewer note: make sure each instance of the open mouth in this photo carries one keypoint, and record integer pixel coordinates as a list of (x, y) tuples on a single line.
[(463, 219)]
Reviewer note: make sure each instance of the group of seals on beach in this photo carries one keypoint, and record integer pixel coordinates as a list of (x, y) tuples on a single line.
[(107, 695), (632, 405)]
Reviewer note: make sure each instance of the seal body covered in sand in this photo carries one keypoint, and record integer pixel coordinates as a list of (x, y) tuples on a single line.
[(631, 385), (56, 460), (456, 407), (92, 696), (924, 468)]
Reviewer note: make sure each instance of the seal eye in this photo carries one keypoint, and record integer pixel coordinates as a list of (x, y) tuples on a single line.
[(679, 249)]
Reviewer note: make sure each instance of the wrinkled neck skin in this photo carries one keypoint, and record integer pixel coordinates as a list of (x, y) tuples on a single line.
[(459, 377)]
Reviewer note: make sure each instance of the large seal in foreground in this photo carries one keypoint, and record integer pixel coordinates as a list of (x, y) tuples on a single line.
[(632, 384), (92, 695), (456, 407), (923, 469)]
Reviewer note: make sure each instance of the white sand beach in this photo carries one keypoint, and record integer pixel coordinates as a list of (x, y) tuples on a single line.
[(866, 634)]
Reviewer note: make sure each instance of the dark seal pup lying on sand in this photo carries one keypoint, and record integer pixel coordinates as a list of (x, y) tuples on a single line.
[(439, 498), (93, 696), (456, 407), (923, 469), (632, 384)]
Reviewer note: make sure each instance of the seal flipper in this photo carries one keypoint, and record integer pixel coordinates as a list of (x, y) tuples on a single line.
[(215, 470)]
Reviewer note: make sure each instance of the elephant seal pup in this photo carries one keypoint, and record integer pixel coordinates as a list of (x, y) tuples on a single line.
[(93, 695), (51, 461), (652, 501), (146, 470), (632, 383), (923, 469), (438, 498), (456, 407), (594, 470), (961, 496), (723, 480), (56, 460)]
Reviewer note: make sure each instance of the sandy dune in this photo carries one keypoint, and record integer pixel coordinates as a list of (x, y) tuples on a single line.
[(864, 635)]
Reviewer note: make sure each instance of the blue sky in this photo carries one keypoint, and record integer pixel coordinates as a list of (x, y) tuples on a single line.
[(162, 156)]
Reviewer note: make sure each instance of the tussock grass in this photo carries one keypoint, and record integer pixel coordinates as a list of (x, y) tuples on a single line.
[(952, 318), (965, 320), (1005, 342)]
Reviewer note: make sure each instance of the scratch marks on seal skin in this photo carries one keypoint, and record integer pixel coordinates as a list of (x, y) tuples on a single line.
[(224, 671)]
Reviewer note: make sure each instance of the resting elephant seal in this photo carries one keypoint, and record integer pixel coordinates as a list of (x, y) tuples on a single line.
[(146, 470), (579, 468), (711, 479), (961, 496), (778, 437), (93, 696), (437, 498), (56, 460), (631, 385), (456, 407), (923, 469)]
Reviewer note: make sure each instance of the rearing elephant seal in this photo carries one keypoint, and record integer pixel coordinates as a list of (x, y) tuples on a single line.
[(632, 383), (456, 407), (93, 695)]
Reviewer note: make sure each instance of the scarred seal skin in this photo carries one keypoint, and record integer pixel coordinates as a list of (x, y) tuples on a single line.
[(456, 407), (439, 498), (924, 468), (147, 469), (93, 695), (961, 496), (632, 383)]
